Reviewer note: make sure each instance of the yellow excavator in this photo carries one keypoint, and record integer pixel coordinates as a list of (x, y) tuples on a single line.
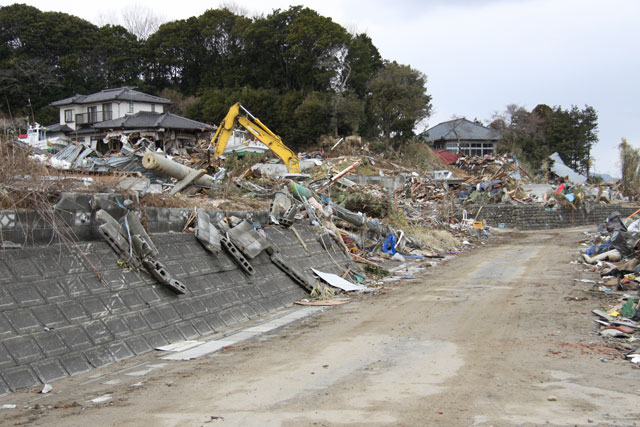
[(257, 129)]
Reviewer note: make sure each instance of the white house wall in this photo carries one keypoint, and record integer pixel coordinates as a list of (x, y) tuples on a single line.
[(118, 109)]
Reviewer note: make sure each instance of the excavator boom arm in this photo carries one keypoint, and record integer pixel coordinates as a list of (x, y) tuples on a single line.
[(257, 129)]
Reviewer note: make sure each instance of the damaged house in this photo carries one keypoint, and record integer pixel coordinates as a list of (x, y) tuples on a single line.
[(101, 120), (169, 131), (462, 136)]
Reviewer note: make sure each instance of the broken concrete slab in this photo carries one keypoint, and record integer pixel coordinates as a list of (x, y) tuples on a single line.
[(207, 233), (245, 238), (139, 185)]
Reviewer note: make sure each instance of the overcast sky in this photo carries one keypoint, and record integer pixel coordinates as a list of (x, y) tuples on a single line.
[(479, 55)]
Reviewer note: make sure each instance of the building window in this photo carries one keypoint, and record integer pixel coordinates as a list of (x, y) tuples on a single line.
[(130, 106), (68, 116), (153, 108), (92, 114), (106, 112)]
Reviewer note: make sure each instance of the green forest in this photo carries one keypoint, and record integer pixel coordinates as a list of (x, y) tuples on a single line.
[(299, 72)]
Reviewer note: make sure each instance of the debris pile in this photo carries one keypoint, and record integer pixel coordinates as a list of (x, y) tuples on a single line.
[(614, 252), (379, 212)]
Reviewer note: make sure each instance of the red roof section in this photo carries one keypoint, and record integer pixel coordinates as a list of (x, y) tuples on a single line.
[(447, 156)]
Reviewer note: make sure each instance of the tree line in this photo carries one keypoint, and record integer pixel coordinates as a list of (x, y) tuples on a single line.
[(299, 72), (538, 133)]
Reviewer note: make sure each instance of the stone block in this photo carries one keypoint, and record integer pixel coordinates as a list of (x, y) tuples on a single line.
[(73, 286), (201, 326), (93, 284), (131, 299), (172, 334), (99, 356), (50, 343), (247, 311), (155, 339), (20, 378), (184, 309), (50, 316), (187, 330), (6, 330), (131, 278), (271, 304), (227, 298), (195, 286), (237, 314), (23, 321), (138, 345), (136, 322), (268, 288), (74, 202), (153, 318), (6, 300), (49, 370), (242, 293), (4, 388), (6, 361), (75, 338), (115, 280), (236, 277), (252, 292), (73, 311), (227, 317), (258, 307), (149, 294), (198, 306), (51, 291), (114, 303), (6, 276), (98, 332), (25, 295), (168, 313), (212, 302), (120, 351), (75, 363), (191, 268), (176, 270), (25, 270), (94, 307), (117, 327), (215, 321)]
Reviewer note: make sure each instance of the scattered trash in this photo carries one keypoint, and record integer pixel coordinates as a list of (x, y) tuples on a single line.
[(9, 406), (180, 346), (329, 302), (101, 399), (46, 388), (214, 418), (339, 282)]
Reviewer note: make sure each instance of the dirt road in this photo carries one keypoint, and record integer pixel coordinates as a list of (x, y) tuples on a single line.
[(494, 337)]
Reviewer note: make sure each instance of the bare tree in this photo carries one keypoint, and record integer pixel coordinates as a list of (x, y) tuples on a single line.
[(140, 20), (235, 8)]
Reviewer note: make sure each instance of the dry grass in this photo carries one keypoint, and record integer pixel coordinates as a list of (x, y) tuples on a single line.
[(439, 240)]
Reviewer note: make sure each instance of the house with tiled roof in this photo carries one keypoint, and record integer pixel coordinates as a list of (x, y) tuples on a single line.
[(81, 111), (462, 136), (101, 119)]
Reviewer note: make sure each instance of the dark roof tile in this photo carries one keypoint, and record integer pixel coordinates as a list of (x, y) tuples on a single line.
[(117, 94)]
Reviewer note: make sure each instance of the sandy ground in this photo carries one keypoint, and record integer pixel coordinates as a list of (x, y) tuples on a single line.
[(499, 336)]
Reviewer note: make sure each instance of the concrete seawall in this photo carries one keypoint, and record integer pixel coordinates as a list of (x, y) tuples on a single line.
[(57, 318), (536, 217)]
